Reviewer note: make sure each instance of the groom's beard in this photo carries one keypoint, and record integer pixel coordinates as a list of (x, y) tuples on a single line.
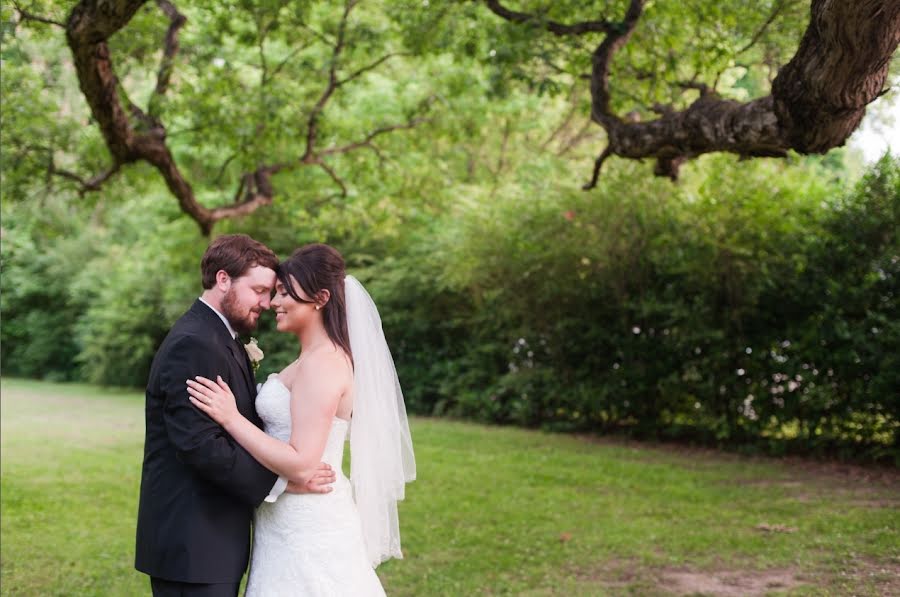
[(242, 320)]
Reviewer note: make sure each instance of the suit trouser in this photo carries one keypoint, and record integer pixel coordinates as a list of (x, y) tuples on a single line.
[(173, 588)]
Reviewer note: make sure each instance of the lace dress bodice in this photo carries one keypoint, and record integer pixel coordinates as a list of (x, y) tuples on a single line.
[(273, 404), (308, 544)]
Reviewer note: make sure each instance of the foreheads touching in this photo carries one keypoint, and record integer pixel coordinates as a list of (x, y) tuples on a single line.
[(235, 255), (315, 273), (317, 269), (238, 275)]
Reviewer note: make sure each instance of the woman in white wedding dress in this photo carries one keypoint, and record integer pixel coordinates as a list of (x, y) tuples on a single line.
[(324, 544)]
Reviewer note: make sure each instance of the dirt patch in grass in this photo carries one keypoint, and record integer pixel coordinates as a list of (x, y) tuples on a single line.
[(859, 576), (867, 576), (613, 569), (728, 583), (621, 576)]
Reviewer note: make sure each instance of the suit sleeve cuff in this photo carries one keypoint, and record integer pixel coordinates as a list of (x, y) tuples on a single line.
[(277, 489)]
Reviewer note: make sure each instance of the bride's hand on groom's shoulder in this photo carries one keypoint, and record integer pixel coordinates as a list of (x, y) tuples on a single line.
[(214, 398)]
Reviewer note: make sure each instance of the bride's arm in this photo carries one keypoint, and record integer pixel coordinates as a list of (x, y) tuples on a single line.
[(314, 399)]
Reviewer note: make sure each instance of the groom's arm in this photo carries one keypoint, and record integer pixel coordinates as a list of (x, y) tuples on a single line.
[(200, 442)]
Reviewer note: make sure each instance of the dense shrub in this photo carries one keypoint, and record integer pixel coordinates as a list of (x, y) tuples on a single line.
[(39, 260), (750, 308), (93, 302)]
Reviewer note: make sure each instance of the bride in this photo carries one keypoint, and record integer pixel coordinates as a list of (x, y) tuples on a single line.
[(324, 544)]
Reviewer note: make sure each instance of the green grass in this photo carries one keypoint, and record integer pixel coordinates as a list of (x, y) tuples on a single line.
[(494, 510)]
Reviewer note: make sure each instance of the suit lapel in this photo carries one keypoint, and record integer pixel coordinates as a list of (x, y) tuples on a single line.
[(235, 348), (240, 355)]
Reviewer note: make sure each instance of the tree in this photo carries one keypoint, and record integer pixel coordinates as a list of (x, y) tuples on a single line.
[(301, 37), (667, 81), (817, 99)]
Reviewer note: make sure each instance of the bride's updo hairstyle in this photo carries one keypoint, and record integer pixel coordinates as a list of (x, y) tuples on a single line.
[(319, 267)]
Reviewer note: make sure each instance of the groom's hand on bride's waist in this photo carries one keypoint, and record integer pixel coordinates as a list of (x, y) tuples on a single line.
[(319, 480)]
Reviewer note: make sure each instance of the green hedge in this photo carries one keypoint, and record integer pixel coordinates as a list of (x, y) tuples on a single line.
[(751, 309)]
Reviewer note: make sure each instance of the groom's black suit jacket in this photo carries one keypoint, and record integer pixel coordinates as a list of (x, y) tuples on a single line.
[(198, 486)]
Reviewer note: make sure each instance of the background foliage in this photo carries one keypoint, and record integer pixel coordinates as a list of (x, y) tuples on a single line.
[(766, 315), (752, 304)]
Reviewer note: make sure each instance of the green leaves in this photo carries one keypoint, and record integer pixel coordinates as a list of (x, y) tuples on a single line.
[(745, 302)]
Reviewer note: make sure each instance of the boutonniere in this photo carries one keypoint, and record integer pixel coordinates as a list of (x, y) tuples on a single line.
[(254, 352)]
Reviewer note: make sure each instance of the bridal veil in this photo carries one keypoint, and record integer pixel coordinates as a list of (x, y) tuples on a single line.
[(381, 453)]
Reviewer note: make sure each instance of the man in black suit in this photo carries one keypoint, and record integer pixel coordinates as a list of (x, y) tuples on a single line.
[(199, 488)]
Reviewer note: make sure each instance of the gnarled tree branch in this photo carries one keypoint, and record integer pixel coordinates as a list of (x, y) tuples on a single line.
[(132, 135), (818, 99)]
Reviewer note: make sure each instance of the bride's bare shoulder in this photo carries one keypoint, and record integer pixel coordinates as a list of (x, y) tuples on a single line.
[(322, 380), (332, 363)]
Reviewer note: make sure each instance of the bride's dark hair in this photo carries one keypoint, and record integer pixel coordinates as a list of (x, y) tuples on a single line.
[(320, 267)]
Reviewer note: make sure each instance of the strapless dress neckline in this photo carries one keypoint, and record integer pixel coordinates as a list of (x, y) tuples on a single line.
[(283, 385)]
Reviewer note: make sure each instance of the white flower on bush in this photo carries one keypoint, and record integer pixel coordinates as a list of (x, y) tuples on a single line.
[(254, 352)]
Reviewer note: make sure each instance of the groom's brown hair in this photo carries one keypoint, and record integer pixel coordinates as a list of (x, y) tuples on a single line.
[(235, 254)]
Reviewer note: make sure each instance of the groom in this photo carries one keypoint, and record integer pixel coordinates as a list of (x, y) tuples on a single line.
[(199, 488)]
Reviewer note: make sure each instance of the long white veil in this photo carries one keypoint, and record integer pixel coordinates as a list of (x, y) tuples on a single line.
[(381, 453)]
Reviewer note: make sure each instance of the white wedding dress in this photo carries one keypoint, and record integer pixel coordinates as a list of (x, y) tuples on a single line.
[(308, 544)]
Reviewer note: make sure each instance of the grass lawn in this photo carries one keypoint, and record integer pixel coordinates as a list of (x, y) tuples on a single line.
[(495, 511)]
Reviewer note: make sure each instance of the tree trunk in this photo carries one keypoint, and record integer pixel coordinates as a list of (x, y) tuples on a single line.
[(841, 66)]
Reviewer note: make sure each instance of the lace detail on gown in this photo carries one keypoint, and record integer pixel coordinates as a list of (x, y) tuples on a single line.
[(308, 544)]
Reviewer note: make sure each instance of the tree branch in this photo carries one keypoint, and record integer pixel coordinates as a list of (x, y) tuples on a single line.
[(818, 99), (85, 185), (244, 208), (779, 6), (573, 109), (598, 163), (224, 165), (312, 126), (602, 26), (601, 60), (278, 67), (369, 67), (367, 141), (132, 135), (334, 177), (168, 58), (24, 15), (575, 139), (841, 66), (320, 36)]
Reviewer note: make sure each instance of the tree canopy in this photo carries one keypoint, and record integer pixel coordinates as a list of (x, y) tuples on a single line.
[(229, 102)]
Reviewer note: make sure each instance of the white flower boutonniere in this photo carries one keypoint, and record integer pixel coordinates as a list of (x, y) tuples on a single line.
[(255, 353)]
